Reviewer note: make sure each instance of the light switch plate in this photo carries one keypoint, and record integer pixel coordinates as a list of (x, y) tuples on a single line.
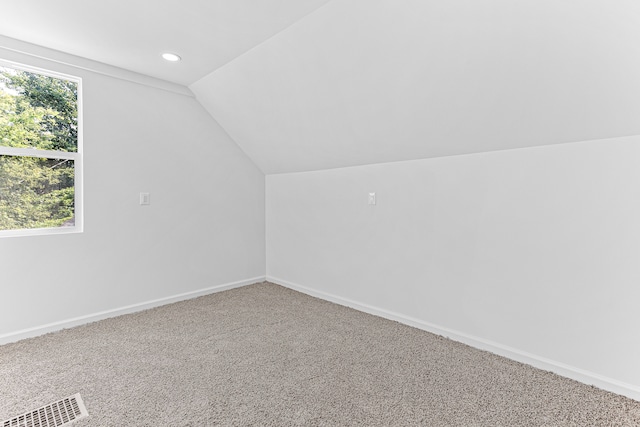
[(372, 198), (145, 199)]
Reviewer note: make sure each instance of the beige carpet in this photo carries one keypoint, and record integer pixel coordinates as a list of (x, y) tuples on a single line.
[(264, 355)]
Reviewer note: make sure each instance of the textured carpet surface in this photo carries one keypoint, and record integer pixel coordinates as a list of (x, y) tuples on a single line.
[(264, 355)]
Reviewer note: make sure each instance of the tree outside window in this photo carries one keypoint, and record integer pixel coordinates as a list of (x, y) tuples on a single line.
[(39, 150)]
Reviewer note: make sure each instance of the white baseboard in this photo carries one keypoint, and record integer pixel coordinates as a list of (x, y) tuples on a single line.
[(586, 377), (76, 321)]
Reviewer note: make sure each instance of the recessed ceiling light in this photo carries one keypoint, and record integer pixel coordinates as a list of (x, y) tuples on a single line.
[(171, 57)]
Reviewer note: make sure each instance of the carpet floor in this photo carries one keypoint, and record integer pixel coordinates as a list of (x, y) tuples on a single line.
[(264, 355)]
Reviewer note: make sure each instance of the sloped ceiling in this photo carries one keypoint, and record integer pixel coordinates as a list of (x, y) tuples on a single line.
[(131, 34), (315, 84), (371, 81)]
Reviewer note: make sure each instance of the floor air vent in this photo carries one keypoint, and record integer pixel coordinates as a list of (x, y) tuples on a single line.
[(56, 414)]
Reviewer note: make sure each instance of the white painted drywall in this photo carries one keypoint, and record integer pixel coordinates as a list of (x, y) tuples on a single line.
[(372, 81), (204, 227), (534, 249)]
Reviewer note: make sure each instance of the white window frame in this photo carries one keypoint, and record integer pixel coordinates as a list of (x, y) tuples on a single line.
[(77, 157)]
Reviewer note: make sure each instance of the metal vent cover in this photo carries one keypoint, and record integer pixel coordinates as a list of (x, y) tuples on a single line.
[(56, 414)]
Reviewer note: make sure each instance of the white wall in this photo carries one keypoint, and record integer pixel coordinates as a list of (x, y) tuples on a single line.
[(204, 227), (533, 253)]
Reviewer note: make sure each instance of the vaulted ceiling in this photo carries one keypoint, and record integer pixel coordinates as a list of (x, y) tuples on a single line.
[(132, 34), (315, 84)]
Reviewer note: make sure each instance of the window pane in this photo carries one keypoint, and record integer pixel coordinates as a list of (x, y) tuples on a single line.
[(36, 193), (38, 111)]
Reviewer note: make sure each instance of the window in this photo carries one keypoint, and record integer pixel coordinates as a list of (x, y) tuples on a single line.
[(40, 152)]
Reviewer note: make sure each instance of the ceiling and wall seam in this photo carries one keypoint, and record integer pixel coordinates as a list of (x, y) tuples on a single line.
[(477, 153), (51, 55)]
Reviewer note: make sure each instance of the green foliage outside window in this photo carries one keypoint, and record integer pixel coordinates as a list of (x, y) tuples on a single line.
[(37, 112)]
